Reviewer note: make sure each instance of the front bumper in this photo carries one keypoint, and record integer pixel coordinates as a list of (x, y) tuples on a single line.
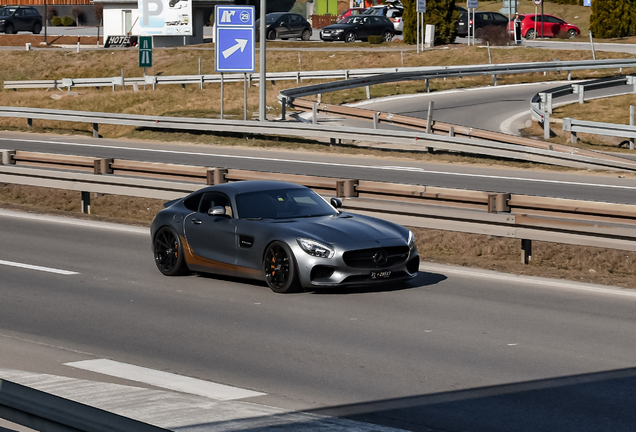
[(332, 36)]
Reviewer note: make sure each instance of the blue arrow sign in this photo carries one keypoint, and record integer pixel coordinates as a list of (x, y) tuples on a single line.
[(234, 50)]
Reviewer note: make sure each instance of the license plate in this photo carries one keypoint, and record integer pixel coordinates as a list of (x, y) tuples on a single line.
[(381, 274)]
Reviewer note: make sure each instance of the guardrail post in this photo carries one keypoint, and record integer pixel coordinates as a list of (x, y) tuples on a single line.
[(632, 80), (368, 93), (376, 116), (214, 176), (631, 123), (428, 89), (498, 202), (526, 251), (494, 80), (29, 123), (451, 131), (105, 166), (573, 137), (346, 188), (7, 157), (95, 130), (546, 126), (429, 118), (548, 102), (86, 202), (569, 75), (314, 112), (283, 109)]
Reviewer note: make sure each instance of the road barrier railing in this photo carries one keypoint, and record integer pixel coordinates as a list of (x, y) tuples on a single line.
[(575, 127), (388, 139), (524, 217)]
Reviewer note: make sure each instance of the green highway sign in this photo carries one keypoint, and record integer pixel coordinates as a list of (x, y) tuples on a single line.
[(145, 51)]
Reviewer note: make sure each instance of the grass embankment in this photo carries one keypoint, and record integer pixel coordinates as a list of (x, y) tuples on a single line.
[(584, 264)]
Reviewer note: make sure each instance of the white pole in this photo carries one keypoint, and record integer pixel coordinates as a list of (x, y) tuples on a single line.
[(417, 32), (262, 78)]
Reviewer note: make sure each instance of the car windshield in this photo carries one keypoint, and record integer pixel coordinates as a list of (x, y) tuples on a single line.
[(272, 17), (351, 19), (5, 11), (282, 204)]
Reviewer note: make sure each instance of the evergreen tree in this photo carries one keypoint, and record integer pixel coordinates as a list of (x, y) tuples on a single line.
[(441, 13), (612, 18)]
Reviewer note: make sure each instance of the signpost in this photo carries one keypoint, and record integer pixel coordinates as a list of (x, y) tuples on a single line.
[(420, 11), (472, 4), (145, 52)]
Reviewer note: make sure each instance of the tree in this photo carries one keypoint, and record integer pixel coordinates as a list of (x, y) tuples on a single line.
[(612, 18), (442, 14)]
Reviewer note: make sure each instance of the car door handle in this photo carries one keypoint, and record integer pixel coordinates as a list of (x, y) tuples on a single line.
[(196, 221)]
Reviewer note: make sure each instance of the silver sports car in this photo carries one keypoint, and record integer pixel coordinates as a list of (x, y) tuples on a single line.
[(283, 233)]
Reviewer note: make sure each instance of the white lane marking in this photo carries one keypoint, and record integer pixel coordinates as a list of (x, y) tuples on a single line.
[(38, 268), (332, 164), (165, 379), (543, 282), (76, 222), (505, 126)]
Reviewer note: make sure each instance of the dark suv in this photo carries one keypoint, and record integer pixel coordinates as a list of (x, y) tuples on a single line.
[(482, 20), (20, 18)]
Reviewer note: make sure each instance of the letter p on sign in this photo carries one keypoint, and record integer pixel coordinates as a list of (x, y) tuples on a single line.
[(150, 8)]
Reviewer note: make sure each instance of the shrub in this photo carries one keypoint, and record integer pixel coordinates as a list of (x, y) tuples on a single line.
[(67, 21), (496, 36), (441, 13), (375, 40), (56, 21)]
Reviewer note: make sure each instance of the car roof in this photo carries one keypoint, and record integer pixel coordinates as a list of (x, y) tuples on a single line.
[(252, 186)]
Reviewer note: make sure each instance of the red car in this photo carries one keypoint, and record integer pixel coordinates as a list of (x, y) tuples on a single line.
[(351, 11), (552, 26)]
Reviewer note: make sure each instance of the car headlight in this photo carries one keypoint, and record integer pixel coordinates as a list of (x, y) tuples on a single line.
[(314, 248), (338, 30), (411, 240)]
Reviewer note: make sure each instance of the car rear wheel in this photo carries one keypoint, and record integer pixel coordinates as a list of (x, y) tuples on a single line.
[(37, 28), (387, 36), (571, 33), (271, 35), (531, 34), (479, 33), (350, 37), (9, 29), (169, 252), (280, 268), (306, 35)]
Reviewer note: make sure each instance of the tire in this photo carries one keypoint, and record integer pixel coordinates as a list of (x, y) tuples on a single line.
[(387, 36), (571, 34), (530, 34), (271, 35), (279, 269), (306, 35), (168, 252), (9, 29), (479, 33), (350, 37), (37, 28)]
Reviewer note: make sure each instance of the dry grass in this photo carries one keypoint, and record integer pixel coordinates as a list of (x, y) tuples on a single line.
[(603, 266)]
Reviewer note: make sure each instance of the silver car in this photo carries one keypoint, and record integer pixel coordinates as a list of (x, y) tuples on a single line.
[(282, 233)]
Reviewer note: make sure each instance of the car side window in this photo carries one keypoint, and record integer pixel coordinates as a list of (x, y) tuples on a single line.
[(500, 18), (295, 19), (192, 203), (284, 19), (20, 13), (215, 199)]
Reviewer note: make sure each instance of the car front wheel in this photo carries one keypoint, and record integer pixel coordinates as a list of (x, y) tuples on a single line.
[(571, 33), (350, 37), (169, 252), (271, 35), (279, 268), (37, 28), (531, 34), (9, 29)]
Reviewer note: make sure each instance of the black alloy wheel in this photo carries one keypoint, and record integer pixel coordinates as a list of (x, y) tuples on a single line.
[(169, 252), (306, 35), (9, 29), (387, 36), (350, 37), (280, 269), (37, 28)]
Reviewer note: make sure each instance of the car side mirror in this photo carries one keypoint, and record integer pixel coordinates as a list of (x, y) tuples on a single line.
[(217, 211), (337, 203)]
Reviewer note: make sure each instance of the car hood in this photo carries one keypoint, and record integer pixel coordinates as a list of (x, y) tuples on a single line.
[(346, 229), (339, 26)]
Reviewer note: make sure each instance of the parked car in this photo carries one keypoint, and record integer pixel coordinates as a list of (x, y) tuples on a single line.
[(482, 20), (552, 26), (359, 27), (281, 233), (284, 25), (20, 18), (351, 11)]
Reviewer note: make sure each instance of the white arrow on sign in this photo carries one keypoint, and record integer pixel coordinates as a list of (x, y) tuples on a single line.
[(240, 45)]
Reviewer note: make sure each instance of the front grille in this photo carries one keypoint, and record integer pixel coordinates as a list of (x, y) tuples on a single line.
[(321, 272), (364, 258)]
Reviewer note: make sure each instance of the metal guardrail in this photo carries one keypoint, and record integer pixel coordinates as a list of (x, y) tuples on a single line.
[(523, 217), (42, 411), (575, 127), (542, 103), (415, 141)]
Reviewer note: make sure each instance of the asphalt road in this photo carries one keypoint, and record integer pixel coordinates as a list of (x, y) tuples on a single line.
[(444, 352)]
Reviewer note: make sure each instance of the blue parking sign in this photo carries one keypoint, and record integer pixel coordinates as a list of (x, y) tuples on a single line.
[(235, 48)]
